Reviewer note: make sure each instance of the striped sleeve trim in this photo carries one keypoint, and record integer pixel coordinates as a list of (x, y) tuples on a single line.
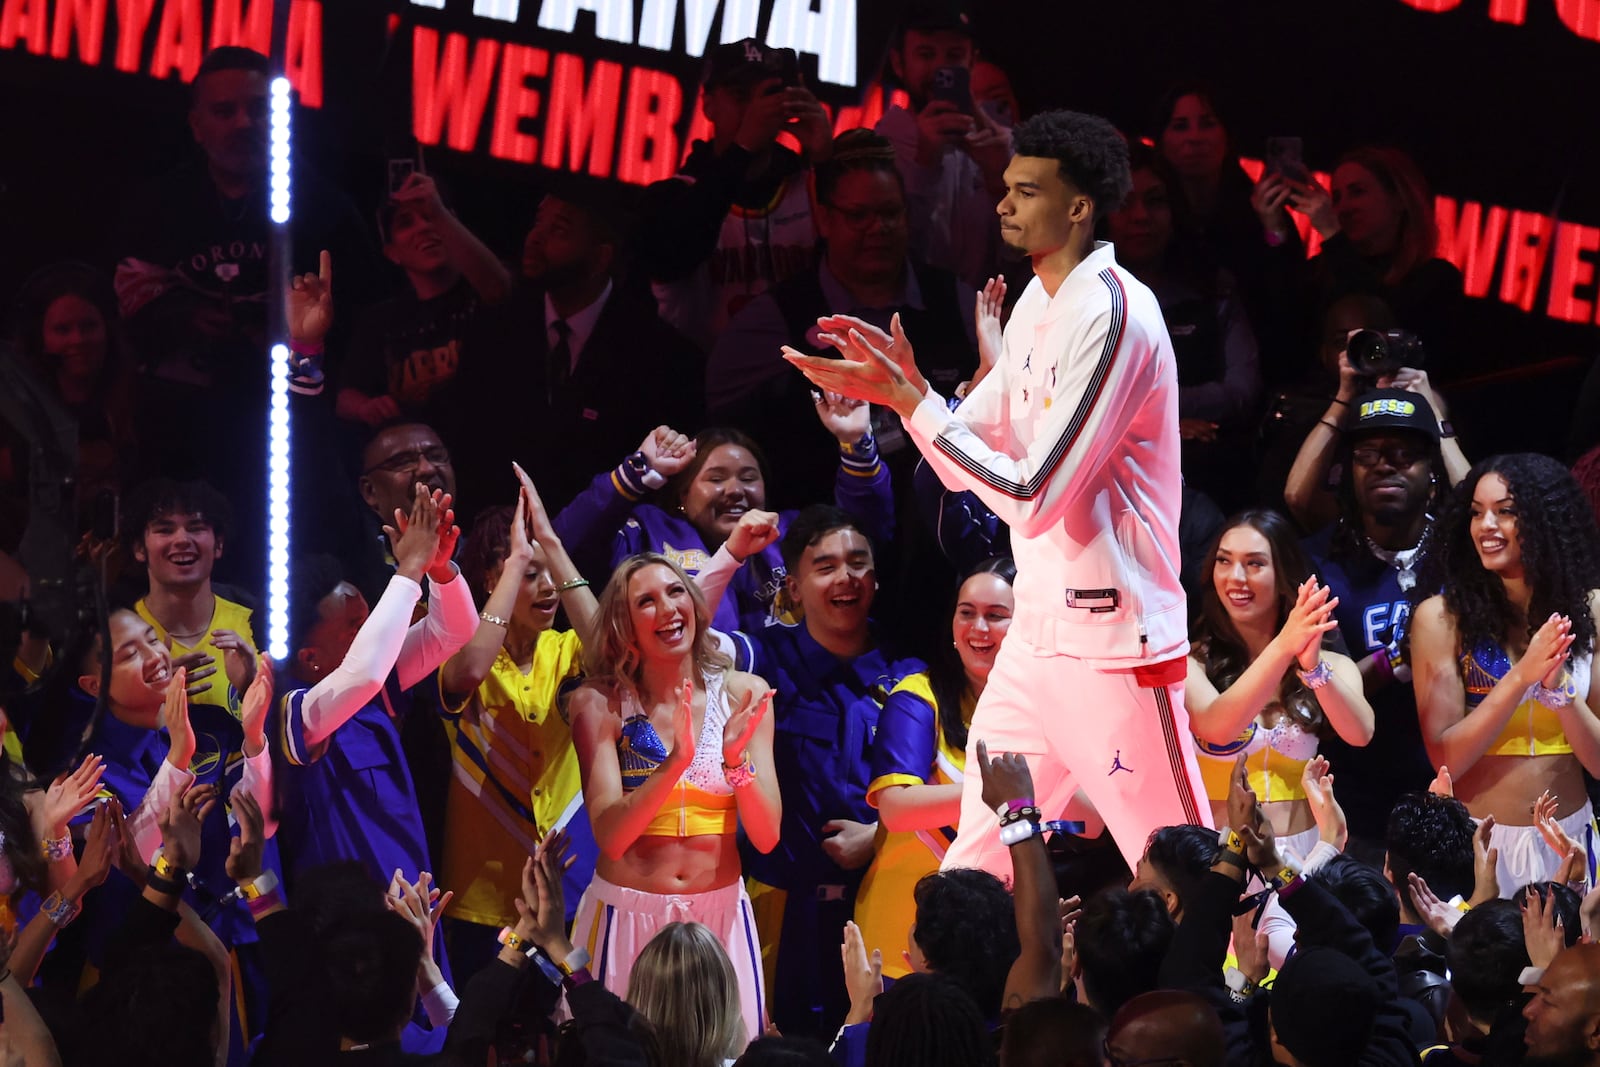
[(860, 459), (1102, 372)]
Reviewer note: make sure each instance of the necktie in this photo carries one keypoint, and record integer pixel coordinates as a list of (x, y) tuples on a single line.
[(560, 360)]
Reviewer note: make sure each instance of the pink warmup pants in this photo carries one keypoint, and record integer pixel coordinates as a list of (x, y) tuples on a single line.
[(1126, 745)]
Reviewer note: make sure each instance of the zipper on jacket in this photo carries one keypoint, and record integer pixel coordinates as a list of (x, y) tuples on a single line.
[(1130, 574)]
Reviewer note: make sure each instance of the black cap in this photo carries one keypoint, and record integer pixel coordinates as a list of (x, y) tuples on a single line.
[(935, 16), (1393, 409), (746, 61)]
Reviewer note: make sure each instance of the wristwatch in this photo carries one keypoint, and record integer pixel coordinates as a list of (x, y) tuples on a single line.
[(640, 468)]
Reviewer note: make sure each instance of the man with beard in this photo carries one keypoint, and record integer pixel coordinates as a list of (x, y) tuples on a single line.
[(1564, 1014), (573, 370), (1392, 470)]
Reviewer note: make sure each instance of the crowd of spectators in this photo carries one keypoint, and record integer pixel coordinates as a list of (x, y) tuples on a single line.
[(626, 706)]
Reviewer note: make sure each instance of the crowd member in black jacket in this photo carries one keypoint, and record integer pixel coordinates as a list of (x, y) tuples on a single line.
[(573, 369), (1335, 1001)]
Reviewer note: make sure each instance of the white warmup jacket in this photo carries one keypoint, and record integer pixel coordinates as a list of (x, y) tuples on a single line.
[(1072, 439)]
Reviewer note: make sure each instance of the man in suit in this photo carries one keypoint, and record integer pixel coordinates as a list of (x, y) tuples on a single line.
[(574, 369)]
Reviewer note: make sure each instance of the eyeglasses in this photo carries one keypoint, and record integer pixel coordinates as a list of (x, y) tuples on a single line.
[(1112, 1060), (402, 462), (861, 219), (1397, 455)]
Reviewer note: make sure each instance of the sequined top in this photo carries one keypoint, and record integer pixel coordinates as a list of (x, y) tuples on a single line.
[(703, 802), (1533, 729)]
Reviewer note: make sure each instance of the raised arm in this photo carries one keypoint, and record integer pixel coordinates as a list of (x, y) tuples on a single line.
[(1037, 972), (1095, 398), (577, 596), (462, 248), (255, 777), (862, 487), (465, 671), (617, 818)]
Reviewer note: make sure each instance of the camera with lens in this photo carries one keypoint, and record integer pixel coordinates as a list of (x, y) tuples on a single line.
[(1376, 353)]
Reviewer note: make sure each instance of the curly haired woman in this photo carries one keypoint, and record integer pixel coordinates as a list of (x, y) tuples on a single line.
[(1502, 655)]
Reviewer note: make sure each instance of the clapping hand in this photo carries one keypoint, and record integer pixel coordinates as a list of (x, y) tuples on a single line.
[(1317, 782), (1309, 619), (848, 420), (1440, 916), (741, 726), (246, 848), (1543, 929), (238, 658), (415, 537), (257, 703), (181, 825), (1546, 659), (863, 974), (50, 810), (542, 908), (175, 719), (988, 311)]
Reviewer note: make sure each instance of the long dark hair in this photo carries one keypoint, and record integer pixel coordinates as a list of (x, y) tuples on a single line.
[(706, 442), (946, 677), (1557, 534), (1217, 643)]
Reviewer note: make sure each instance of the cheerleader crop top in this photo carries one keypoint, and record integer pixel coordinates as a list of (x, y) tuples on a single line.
[(1275, 759), (702, 803), (1533, 730)]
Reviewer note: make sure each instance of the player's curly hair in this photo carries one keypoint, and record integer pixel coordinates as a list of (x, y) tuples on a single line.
[(1092, 153), (1556, 533)]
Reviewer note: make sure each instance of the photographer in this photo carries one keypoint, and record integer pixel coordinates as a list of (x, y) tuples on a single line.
[(1371, 360)]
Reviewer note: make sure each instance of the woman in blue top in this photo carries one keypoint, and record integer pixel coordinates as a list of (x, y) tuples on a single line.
[(702, 488)]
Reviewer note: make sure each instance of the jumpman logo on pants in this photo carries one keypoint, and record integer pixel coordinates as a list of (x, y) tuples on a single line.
[(1118, 765)]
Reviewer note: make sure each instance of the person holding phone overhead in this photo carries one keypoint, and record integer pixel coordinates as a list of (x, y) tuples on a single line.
[(951, 154)]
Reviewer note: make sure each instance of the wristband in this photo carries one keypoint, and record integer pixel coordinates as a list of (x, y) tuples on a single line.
[(259, 906), (60, 910), (1239, 985), (576, 583), (652, 479), (515, 942), (162, 867), (172, 887), (1331, 426), (1006, 807), (300, 348), (1317, 676), (1232, 858), (1015, 833), (264, 884), (576, 961), (57, 849)]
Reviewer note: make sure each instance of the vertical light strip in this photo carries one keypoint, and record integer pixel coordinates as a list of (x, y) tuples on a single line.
[(278, 411)]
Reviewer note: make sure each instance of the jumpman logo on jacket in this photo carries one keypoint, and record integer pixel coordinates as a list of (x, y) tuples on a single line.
[(1118, 765)]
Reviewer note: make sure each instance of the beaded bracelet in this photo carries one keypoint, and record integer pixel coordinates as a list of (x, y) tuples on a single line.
[(57, 849), (1556, 698), (1030, 813), (1317, 676), (494, 620), (742, 775)]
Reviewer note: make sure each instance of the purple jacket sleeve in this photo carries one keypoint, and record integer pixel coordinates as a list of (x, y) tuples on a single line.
[(862, 489)]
